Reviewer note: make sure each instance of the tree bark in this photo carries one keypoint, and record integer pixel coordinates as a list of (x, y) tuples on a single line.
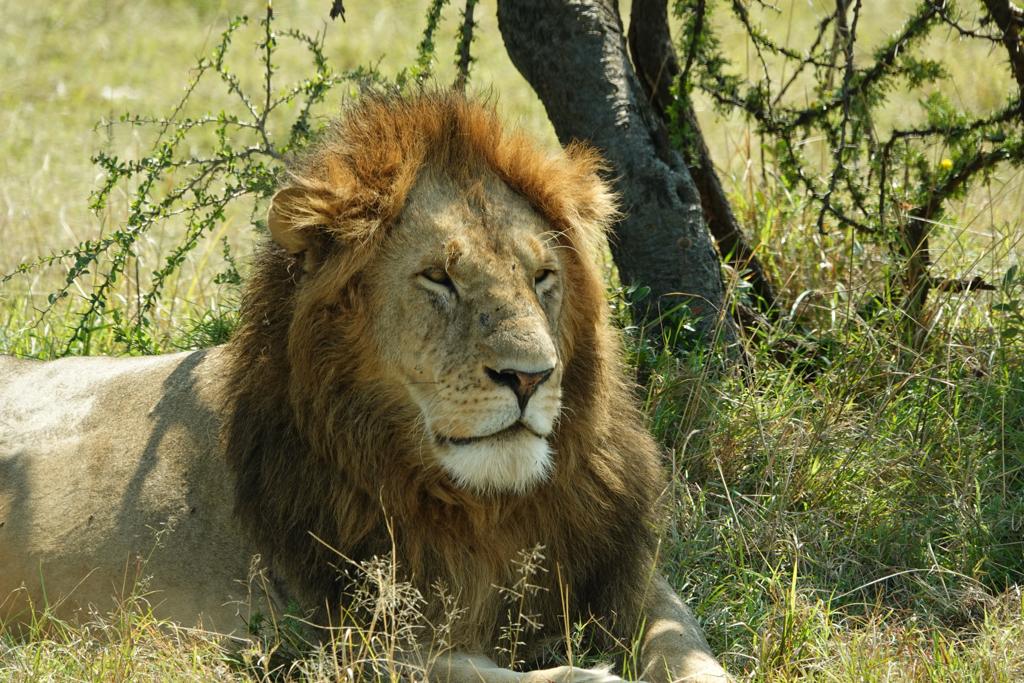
[(573, 53), (654, 57)]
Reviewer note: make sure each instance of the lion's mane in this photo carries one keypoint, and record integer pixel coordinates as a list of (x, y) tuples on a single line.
[(328, 464)]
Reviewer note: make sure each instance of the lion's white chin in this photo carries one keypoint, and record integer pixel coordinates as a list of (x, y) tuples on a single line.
[(505, 464)]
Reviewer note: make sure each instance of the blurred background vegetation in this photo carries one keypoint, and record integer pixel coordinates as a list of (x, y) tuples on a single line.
[(850, 505)]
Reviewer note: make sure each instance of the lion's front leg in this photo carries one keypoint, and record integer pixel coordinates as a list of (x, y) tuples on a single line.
[(459, 667), (674, 649)]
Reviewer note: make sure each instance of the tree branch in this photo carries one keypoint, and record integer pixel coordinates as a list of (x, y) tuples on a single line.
[(465, 39), (1009, 18)]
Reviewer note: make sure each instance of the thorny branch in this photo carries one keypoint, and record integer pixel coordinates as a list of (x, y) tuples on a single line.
[(884, 184), (848, 34), (1010, 20), (464, 40), (240, 156)]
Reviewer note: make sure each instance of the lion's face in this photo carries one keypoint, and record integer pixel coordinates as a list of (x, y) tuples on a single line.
[(430, 254), (469, 287)]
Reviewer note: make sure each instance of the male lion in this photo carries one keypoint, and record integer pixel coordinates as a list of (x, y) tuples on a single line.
[(424, 367)]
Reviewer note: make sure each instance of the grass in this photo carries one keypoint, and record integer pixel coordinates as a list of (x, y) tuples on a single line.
[(848, 508), (856, 518)]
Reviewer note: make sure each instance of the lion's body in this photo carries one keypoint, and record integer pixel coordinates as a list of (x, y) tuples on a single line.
[(424, 368), (96, 456)]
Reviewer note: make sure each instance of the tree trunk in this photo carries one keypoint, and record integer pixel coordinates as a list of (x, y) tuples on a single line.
[(573, 53), (654, 57)]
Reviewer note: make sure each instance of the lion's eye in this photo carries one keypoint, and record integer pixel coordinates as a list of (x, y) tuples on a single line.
[(437, 277), (543, 278)]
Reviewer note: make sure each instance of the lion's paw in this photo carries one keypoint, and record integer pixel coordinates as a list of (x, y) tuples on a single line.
[(568, 674)]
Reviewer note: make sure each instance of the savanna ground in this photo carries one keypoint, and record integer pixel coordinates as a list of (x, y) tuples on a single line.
[(848, 507)]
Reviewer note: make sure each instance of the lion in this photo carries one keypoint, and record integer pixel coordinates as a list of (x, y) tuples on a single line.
[(424, 369)]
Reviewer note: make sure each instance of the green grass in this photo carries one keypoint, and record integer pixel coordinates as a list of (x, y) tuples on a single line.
[(862, 508), (848, 508)]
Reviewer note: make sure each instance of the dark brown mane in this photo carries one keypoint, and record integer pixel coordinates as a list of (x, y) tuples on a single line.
[(322, 453)]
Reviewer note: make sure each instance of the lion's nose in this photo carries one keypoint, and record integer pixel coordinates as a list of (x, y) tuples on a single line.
[(524, 384)]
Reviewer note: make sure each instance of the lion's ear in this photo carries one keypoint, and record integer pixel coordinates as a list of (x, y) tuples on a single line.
[(289, 219), (301, 220)]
